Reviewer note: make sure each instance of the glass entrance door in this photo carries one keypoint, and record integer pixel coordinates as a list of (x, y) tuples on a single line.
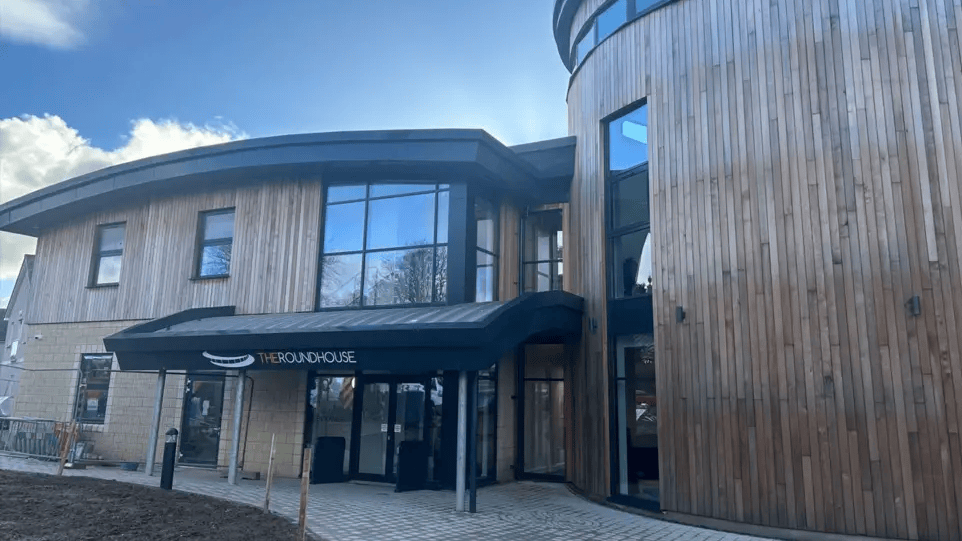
[(392, 411), (200, 429)]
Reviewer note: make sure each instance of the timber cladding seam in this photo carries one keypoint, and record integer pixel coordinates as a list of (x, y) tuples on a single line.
[(805, 160)]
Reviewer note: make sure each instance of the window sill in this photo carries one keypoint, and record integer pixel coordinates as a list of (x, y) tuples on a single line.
[(103, 286), (208, 278)]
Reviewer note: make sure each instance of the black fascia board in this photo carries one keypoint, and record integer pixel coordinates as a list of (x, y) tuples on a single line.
[(564, 14), (472, 155), (552, 316)]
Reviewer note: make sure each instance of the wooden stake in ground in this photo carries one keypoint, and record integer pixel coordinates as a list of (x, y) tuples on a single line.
[(68, 443), (270, 476), (305, 479)]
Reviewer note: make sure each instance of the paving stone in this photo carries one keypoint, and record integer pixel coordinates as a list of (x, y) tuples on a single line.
[(354, 511)]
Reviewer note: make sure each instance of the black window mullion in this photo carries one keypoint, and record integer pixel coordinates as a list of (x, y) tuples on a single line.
[(364, 252)]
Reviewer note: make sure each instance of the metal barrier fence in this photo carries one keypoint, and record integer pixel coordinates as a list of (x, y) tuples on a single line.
[(39, 438)]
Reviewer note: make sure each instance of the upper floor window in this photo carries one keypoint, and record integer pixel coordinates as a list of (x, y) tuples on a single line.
[(108, 255), (486, 216), (542, 256), (385, 244), (215, 239), (628, 207)]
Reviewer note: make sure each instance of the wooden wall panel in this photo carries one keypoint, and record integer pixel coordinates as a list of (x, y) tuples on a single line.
[(273, 266), (805, 162)]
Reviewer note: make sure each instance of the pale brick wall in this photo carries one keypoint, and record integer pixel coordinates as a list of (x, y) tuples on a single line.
[(274, 403), (49, 386)]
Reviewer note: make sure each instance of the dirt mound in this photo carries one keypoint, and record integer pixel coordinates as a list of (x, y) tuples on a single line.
[(41, 507)]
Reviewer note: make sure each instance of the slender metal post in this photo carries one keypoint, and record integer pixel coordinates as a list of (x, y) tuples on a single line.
[(462, 464), (473, 443), (235, 434), (155, 424)]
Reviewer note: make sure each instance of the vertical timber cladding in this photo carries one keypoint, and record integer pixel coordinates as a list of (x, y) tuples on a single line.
[(273, 265), (805, 162)]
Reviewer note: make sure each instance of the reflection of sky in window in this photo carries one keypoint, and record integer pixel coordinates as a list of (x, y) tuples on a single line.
[(109, 270), (401, 221), (628, 140), (219, 226), (112, 238), (344, 227)]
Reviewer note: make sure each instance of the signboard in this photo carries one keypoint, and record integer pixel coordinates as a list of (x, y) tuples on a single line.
[(275, 359)]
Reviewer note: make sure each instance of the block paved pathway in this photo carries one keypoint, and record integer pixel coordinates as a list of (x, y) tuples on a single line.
[(355, 511)]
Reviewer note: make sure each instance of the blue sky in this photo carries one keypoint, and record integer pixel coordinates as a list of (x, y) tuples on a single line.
[(121, 79)]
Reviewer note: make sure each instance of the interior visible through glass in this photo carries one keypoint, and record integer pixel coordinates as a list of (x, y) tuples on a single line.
[(544, 410), (637, 417), (333, 402)]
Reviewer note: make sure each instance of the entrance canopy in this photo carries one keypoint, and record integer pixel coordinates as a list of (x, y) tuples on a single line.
[(389, 340)]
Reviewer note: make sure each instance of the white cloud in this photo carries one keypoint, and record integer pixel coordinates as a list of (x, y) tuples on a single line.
[(40, 151), (51, 23)]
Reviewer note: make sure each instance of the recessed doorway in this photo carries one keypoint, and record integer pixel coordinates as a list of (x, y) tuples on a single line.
[(200, 426)]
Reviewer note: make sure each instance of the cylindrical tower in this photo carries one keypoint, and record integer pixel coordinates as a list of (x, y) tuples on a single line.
[(801, 162)]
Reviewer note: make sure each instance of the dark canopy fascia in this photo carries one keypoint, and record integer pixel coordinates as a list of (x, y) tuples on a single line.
[(391, 340), (449, 155)]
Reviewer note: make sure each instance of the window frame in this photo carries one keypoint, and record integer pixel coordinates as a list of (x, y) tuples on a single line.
[(203, 242), (431, 186), (495, 205), (611, 179), (99, 254), (82, 387), (523, 285)]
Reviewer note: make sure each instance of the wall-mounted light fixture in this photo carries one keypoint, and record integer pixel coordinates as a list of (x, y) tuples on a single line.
[(679, 314), (914, 305)]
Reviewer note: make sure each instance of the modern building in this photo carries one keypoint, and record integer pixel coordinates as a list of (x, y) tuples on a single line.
[(733, 293), (16, 333)]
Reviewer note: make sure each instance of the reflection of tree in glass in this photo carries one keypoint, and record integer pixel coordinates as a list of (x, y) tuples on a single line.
[(343, 276), (215, 260), (403, 279)]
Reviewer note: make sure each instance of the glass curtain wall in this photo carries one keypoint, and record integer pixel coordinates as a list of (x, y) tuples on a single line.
[(628, 210), (385, 244), (544, 411), (542, 254)]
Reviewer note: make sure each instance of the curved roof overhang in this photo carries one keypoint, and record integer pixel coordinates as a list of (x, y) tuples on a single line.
[(443, 155), (564, 14), (469, 336)]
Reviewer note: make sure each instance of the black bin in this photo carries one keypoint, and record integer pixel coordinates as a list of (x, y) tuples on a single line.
[(412, 466), (328, 463)]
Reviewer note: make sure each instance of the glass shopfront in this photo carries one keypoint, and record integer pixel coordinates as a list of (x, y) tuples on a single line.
[(370, 421)]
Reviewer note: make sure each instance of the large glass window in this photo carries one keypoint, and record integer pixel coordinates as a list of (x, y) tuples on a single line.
[(486, 215), (385, 244), (629, 216), (637, 416), (93, 384), (544, 410), (215, 240), (108, 255), (542, 252)]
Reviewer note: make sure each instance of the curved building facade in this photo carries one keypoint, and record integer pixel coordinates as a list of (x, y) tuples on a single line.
[(800, 160)]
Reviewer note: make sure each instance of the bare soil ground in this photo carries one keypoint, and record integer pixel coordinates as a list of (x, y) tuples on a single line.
[(37, 507)]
